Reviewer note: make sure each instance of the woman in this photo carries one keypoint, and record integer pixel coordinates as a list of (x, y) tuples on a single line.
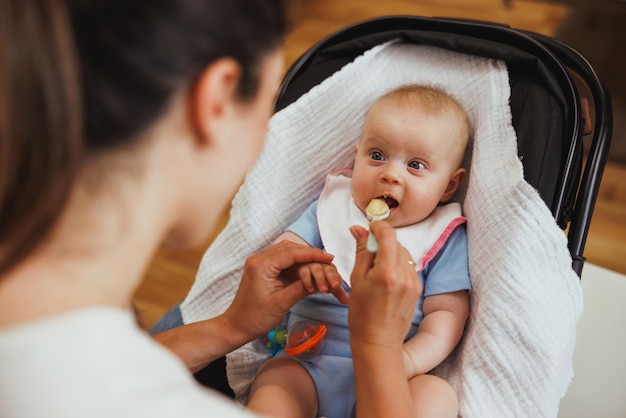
[(126, 125)]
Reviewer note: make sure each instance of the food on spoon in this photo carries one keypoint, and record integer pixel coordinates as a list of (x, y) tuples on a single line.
[(377, 210)]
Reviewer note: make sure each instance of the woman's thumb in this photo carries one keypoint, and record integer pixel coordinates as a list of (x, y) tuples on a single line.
[(363, 260)]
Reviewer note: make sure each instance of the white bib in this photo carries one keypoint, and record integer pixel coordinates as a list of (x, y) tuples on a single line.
[(337, 212)]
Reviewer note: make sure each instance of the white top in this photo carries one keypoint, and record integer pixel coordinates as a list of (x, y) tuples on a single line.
[(96, 362)]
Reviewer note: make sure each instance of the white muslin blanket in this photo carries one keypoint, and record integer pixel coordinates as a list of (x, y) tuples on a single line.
[(515, 359)]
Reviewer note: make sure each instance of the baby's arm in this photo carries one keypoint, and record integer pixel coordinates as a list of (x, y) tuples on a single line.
[(439, 332), (316, 276), (288, 235)]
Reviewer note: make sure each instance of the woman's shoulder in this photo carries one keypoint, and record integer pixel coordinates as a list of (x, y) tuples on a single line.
[(94, 360)]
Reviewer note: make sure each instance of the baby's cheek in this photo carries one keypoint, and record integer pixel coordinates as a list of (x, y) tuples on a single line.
[(360, 194)]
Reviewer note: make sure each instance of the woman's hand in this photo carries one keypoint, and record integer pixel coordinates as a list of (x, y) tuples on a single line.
[(269, 288), (385, 290)]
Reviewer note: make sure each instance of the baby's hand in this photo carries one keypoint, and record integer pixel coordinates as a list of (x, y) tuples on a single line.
[(322, 278)]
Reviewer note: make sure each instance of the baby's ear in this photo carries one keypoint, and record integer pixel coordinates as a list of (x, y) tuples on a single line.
[(455, 181)]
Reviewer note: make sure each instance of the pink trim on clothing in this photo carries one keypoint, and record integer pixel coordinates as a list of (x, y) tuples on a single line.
[(439, 243)]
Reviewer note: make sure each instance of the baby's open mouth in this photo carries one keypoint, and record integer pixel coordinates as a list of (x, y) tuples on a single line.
[(391, 202)]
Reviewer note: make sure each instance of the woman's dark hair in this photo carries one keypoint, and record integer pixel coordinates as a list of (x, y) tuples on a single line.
[(85, 76), (136, 54)]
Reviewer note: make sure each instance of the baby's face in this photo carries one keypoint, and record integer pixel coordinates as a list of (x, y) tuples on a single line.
[(409, 158)]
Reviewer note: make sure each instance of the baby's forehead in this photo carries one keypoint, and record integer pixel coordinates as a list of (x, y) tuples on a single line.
[(451, 119), (391, 106), (439, 105), (427, 103)]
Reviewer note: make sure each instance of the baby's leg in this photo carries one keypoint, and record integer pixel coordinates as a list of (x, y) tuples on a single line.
[(283, 388), (433, 397)]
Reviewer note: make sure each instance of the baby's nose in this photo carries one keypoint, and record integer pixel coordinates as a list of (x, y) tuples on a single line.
[(391, 175)]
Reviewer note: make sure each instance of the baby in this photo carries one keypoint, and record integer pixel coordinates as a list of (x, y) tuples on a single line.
[(410, 156)]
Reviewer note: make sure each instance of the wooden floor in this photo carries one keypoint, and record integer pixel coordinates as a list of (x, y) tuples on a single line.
[(171, 274)]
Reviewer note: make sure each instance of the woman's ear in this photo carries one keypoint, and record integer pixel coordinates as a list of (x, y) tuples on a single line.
[(455, 181), (212, 98)]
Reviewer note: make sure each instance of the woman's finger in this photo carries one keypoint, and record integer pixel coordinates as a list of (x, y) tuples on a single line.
[(387, 254), (287, 253)]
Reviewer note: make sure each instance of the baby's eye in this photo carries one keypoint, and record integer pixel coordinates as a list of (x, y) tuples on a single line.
[(377, 155), (416, 165)]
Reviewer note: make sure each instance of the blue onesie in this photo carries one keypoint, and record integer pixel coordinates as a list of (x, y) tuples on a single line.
[(445, 270)]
